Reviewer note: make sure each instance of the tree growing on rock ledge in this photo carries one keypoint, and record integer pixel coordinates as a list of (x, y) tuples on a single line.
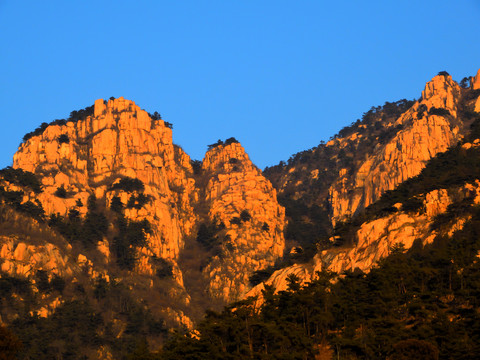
[(220, 142)]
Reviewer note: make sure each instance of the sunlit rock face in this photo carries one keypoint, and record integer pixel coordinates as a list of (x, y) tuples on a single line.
[(436, 122), (239, 197), (118, 140), (227, 193), (421, 137), (475, 81)]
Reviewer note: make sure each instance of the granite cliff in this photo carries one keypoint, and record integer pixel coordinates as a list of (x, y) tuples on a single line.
[(430, 126), (422, 134), (116, 162)]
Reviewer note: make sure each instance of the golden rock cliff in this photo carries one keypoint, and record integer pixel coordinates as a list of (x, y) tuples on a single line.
[(119, 140), (423, 134), (430, 126), (244, 202)]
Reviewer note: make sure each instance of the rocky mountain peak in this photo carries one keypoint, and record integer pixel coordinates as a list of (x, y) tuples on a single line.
[(114, 206), (244, 202), (441, 92), (225, 156)]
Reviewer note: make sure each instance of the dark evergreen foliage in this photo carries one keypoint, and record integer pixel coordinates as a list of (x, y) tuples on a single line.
[(207, 235), (421, 303), (116, 205), (128, 184), (260, 275), (14, 200), (131, 234), (265, 227), (245, 216), (61, 192), (219, 142), (196, 166), (164, 268), (87, 231), (465, 83), (21, 177), (70, 333), (236, 220), (439, 111), (155, 116), (75, 116), (137, 201), (63, 139), (10, 345)]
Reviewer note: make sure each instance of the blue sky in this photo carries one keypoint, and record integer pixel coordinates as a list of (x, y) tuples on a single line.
[(280, 76)]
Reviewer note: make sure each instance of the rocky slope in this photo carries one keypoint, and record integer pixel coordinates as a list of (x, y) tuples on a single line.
[(436, 122), (118, 163), (423, 134), (377, 238), (119, 140), (119, 216), (241, 199)]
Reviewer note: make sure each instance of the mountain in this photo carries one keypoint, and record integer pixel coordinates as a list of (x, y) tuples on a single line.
[(111, 236), (391, 144), (116, 204)]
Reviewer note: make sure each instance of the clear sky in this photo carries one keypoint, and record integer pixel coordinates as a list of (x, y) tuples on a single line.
[(280, 76)]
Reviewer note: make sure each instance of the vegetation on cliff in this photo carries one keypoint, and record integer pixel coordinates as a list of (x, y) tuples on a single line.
[(448, 170), (305, 196), (416, 301)]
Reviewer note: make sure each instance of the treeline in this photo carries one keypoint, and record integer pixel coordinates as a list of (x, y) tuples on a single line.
[(75, 116), (79, 328), (219, 142)]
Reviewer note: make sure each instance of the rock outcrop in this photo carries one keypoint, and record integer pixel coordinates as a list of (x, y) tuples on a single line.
[(476, 81), (423, 134), (117, 140), (241, 199), (432, 125), (120, 140), (225, 208)]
